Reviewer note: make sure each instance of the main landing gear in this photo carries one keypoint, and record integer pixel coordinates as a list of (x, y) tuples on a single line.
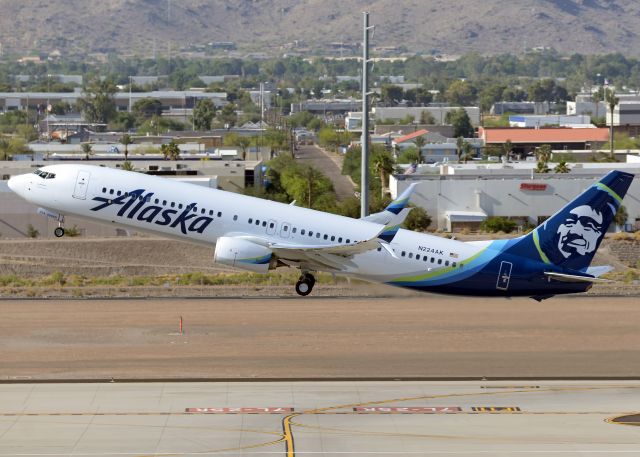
[(59, 231), (305, 284)]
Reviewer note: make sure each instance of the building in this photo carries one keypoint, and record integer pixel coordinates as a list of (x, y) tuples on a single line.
[(169, 99), (501, 108), (439, 113), (556, 120), (525, 141), (462, 201), (324, 107)]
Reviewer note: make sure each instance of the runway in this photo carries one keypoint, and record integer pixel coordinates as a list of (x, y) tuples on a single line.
[(425, 337), (318, 418)]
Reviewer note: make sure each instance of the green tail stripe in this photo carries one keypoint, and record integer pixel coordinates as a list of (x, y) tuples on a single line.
[(536, 241), (606, 188)]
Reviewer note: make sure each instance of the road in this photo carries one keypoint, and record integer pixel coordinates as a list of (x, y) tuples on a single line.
[(330, 166)]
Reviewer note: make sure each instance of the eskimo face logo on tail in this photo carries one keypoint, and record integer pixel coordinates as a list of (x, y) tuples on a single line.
[(137, 204), (580, 231)]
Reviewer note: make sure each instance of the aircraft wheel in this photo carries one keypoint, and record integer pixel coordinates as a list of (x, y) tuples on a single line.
[(304, 286), (58, 232)]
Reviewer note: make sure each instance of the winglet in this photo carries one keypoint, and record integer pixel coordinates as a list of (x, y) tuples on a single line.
[(390, 230)]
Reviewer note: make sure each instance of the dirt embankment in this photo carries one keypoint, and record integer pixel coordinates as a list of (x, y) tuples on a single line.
[(157, 257)]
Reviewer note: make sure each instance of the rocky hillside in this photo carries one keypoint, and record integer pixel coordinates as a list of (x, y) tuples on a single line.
[(488, 26)]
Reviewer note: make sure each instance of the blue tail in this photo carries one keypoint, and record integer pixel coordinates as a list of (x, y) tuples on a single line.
[(569, 239)]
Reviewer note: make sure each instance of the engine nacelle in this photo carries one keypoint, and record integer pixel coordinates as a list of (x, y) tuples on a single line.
[(244, 254)]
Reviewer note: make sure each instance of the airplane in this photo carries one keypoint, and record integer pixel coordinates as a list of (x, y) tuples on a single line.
[(260, 235)]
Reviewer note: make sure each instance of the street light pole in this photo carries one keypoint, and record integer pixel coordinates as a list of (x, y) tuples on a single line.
[(364, 172)]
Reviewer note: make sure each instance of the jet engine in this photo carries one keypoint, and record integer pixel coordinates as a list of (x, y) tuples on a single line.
[(244, 254)]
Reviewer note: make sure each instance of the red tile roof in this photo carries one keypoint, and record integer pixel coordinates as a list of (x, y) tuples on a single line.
[(544, 135), (411, 136)]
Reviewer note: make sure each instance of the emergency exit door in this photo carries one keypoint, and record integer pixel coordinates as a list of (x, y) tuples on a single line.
[(82, 183)]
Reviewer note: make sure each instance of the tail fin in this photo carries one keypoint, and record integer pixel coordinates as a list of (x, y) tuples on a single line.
[(570, 238)]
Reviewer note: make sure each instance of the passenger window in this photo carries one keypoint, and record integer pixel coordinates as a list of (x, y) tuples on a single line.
[(446, 263), (425, 258), (173, 204), (211, 213), (302, 232), (202, 211), (348, 241), (310, 233), (433, 260), (271, 225), (111, 191), (333, 238), (235, 218), (164, 203), (250, 220), (379, 249), (118, 193), (326, 237), (264, 223), (318, 235), (219, 214), (179, 205), (285, 228), (156, 201), (454, 264), (294, 230), (257, 222), (439, 261), (104, 190), (417, 256), (340, 240), (411, 255), (403, 254)]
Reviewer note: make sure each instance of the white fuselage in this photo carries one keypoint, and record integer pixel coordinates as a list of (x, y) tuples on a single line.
[(176, 209)]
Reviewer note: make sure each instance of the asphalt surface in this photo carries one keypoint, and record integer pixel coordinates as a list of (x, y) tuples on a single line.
[(330, 165), (425, 337), (319, 418)]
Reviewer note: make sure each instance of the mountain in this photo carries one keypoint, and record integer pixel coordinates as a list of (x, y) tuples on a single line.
[(423, 26)]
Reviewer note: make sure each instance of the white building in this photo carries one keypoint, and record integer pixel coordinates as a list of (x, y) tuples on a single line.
[(464, 200), (550, 119), (439, 113)]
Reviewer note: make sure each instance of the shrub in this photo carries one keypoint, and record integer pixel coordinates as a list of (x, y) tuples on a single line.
[(496, 224)]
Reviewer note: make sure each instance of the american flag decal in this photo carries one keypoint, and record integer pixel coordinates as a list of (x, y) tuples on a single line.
[(453, 254)]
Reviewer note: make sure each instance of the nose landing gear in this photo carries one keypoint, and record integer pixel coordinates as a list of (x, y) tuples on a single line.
[(305, 284)]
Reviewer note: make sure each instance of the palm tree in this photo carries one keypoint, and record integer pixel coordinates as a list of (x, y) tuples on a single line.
[(382, 163), (86, 148), (467, 152), (541, 167), (562, 167), (612, 100), (507, 148), (170, 151), (420, 142), (244, 142), (126, 140), (544, 153), (459, 146), (127, 166)]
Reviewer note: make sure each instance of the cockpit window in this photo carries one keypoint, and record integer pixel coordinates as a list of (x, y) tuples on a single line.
[(44, 174)]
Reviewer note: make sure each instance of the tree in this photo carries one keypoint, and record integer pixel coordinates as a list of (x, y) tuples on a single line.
[(417, 220), (128, 166), (126, 140), (391, 95), (97, 103), (244, 142), (612, 101), (507, 148), (543, 153), (419, 142), (228, 115), (170, 151), (382, 163), (86, 148), (496, 224), (467, 152), (32, 232), (621, 216), (562, 167), (409, 155), (147, 108), (459, 146), (203, 114), (427, 118), (541, 167), (461, 123), (459, 93)]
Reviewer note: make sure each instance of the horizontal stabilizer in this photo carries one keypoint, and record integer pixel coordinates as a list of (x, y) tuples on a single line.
[(573, 278), (599, 271), (393, 209)]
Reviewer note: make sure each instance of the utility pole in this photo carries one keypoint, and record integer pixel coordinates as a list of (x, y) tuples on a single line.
[(364, 172)]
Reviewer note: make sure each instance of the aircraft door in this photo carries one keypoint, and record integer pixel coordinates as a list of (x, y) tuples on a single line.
[(271, 227), (285, 228), (82, 183), (504, 275)]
